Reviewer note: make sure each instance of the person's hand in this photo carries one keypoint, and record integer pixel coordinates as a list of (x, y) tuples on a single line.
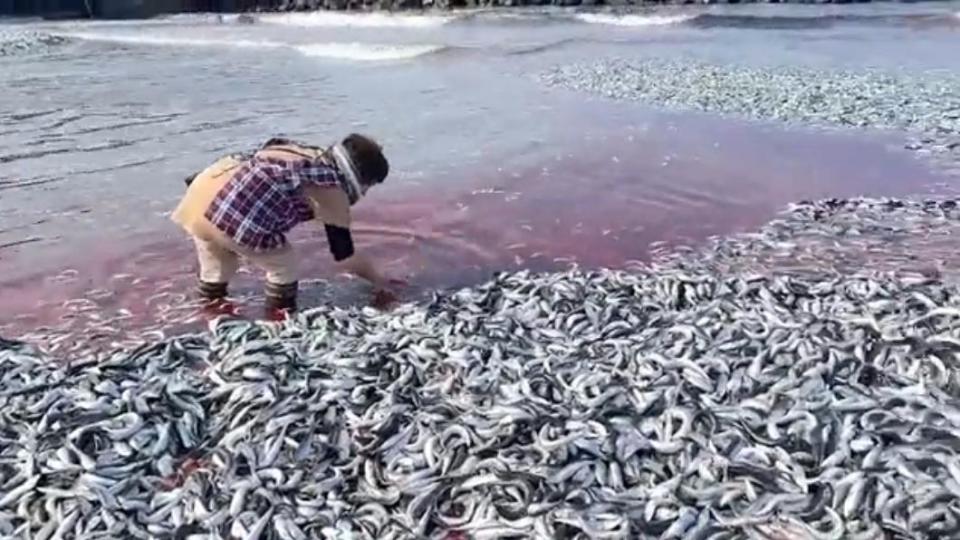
[(397, 282), (384, 296)]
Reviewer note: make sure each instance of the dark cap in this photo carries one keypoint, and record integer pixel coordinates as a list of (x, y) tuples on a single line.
[(368, 157)]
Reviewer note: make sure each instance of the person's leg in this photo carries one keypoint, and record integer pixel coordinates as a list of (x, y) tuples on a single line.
[(281, 296), (281, 286), (217, 266)]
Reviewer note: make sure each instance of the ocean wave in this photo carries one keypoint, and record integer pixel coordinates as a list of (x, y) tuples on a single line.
[(333, 50), (141, 39), (817, 20), (172, 19), (365, 20), (634, 19), (533, 48), (797, 22), (367, 51), (761, 22), (501, 16), (780, 22), (25, 42), (180, 18)]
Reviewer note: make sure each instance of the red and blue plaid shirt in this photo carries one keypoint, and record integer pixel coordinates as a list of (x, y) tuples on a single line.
[(264, 200)]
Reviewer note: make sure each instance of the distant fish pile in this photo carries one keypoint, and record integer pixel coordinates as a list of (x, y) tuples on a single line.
[(676, 403), (927, 106), (24, 42)]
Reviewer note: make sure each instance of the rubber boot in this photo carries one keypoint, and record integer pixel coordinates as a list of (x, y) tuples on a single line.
[(215, 299), (212, 291), (280, 301)]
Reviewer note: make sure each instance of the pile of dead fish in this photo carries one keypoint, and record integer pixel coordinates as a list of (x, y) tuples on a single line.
[(676, 403), (926, 105), (17, 42), (840, 236)]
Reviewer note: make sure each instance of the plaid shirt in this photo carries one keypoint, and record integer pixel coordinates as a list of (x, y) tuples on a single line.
[(264, 200)]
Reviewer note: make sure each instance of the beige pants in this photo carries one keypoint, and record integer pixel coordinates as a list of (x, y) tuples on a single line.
[(219, 262)]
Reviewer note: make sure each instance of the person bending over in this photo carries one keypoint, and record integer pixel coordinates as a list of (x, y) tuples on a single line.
[(242, 206)]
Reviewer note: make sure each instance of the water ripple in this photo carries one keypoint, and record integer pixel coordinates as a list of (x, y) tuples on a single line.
[(110, 145)]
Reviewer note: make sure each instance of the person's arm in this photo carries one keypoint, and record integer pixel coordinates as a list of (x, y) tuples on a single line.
[(332, 208), (336, 214), (341, 247)]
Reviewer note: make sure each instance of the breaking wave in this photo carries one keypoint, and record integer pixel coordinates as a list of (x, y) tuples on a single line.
[(140, 39), (760, 22), (781, 22), (367, 51), (634, 19), (366, 20), (189, 18), (23, 42), (332, 50)]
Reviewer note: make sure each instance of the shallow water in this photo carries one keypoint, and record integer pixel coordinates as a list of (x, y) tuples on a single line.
[(490, 170)]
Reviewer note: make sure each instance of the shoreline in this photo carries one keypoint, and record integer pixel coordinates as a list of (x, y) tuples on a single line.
[(166, 266), (889, 236)]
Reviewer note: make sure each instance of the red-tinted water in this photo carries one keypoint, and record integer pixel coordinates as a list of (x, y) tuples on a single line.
[(604, 203)]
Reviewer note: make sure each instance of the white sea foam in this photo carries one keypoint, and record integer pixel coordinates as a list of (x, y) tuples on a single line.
[(141, 39), (632, 19), (368, 20), (164, 20), (366, 51), (198, 17), (24, 42), (332, 50)]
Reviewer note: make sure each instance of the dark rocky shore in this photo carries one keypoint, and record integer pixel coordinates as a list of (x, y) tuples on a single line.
[(125, 9)]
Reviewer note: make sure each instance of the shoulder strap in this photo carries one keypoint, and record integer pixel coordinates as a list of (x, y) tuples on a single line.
[(274, 144), (293, 147)]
